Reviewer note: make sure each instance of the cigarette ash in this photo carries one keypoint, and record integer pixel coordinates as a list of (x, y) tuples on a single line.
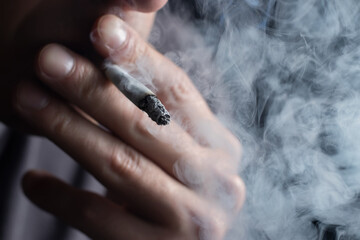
[(138, 93), (155, 109)]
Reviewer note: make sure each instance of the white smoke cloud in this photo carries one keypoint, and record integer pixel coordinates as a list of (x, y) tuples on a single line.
[(285, 78)]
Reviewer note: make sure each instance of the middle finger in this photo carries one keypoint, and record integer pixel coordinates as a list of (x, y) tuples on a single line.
[(115, 40), (79, 81)]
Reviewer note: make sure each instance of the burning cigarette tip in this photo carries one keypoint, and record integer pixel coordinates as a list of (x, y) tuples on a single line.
[(155, 109), (138, 93)]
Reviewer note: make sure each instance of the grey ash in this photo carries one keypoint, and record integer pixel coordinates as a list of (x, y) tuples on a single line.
[(155, 109)]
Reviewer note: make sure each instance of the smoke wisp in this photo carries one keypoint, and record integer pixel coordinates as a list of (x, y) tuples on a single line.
[(285, 78)]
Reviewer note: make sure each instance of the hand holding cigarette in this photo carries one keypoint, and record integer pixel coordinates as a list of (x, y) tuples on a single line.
[(169, 182)]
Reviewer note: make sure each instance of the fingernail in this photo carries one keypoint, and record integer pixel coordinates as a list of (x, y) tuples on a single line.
[(112, 32), (31, 98), (55, 62)]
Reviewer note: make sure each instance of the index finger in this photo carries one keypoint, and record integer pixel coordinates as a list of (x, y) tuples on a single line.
[(118, 42)]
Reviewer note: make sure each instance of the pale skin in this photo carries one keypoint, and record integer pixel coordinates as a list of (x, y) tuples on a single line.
[(165, 182)]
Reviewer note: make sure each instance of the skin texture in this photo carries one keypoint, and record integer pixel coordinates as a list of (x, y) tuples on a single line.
[(171, 182)]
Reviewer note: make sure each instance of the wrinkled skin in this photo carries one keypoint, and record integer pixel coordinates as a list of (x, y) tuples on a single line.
[(174, 182)]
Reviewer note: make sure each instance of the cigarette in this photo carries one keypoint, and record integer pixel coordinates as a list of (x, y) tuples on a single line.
[(138, 93)]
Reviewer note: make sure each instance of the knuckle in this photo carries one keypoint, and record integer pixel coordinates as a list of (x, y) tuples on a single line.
[(60, 124), (126, 162), (182, 91), (234, 192), (212, 226), (228, 192), (188, 171), (79, 82), (132, 49), (142, 126), (215, 230), (237, 149)]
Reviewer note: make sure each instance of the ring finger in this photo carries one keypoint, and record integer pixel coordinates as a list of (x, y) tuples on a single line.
[(83, 85), (119, 167)]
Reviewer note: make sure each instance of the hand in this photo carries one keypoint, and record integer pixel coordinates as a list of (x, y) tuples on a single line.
[(27, 25), (174, 182)]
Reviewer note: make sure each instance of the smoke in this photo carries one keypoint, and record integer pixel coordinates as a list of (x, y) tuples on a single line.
[(285, 79)]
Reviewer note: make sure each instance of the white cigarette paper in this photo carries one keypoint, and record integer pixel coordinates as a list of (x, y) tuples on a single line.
[(138, 93), (134, 90)]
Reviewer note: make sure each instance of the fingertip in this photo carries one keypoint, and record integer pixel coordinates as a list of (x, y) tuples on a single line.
[(27, 181), (109, 34), (30, 98), (32, 182), (54, 62), (46, 191)]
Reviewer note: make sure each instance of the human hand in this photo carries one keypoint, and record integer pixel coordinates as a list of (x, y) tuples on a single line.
[(27, 25), (174, 182)]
